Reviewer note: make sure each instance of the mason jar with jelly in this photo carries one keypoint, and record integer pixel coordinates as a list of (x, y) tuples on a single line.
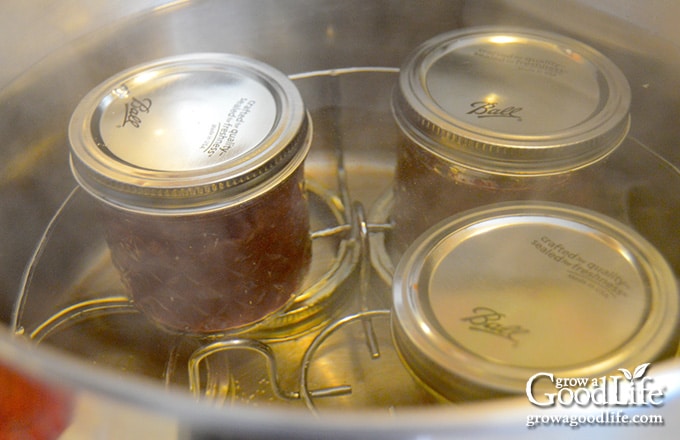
[(495, 114), (197, 162)]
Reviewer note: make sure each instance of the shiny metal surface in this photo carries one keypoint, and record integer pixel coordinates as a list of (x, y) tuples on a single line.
[(150, 136), (486, 298), (512, 101), (295, 37)]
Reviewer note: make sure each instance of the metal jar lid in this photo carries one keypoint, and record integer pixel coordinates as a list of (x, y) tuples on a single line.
[(188, 132), (490, 297), (512, 101)]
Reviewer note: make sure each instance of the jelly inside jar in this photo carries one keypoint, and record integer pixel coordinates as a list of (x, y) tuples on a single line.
[(428, 189), (216, 271)]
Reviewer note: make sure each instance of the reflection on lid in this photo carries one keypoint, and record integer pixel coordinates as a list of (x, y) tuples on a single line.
[(493, 295), (513, 101)]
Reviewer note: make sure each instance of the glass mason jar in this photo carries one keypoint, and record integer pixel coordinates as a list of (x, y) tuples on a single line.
[(198, 164), (490, 297), (493, 114)]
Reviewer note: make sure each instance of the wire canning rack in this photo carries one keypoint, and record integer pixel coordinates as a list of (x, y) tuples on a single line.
[(291, 357)]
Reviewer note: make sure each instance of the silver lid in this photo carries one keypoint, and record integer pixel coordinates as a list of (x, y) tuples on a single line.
[(487, 299), (187, 131), (512, 101)]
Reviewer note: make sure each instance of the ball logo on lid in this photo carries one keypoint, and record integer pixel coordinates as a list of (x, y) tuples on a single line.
[(483, 109), (488, 320), (133, 111)]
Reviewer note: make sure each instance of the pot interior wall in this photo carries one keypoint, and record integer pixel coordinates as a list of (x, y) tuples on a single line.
[(295, 37)]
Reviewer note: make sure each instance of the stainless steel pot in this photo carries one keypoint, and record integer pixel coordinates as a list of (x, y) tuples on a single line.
[(344, 57)]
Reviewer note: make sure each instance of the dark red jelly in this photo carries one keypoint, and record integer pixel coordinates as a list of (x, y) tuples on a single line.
[(215, 271), (428, 189)]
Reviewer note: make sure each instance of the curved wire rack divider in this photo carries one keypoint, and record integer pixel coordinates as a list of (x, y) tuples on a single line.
[(352, 223)]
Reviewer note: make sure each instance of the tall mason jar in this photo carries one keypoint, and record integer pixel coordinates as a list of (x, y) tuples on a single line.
[(495, 114), (197, 162)]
